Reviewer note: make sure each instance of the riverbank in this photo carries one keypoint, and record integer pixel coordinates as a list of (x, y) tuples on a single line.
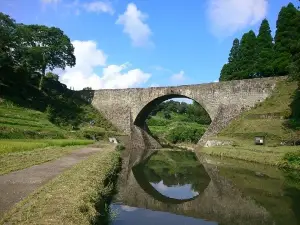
[(21, 154), (285, 156), (277, 119), (80, 195)]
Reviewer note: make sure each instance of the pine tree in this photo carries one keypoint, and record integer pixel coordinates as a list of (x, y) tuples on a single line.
[(265, 51), (225, 73), (286, 39), (234, 52), (230, 68), (295, 66), (247, 57)]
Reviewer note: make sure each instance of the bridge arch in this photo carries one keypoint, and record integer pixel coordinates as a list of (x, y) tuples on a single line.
[(147, 108)]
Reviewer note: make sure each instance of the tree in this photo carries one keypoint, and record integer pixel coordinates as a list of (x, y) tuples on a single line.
[(52, 76), (265, 51), (286, 39), (8, 40), (87, 89), (247, 56), (235, 51), (230, 68), (294, 68), (49, 48)]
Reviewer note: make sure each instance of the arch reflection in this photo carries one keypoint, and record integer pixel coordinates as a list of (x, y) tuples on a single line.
[(172, 176)]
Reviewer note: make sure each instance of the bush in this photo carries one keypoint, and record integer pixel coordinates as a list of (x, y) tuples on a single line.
[(185, 133), (120, 147)]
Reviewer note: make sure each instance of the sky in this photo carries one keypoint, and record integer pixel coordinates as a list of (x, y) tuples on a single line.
[(146, 43)]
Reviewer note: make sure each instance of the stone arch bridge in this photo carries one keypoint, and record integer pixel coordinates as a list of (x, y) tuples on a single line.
[(128, 109)]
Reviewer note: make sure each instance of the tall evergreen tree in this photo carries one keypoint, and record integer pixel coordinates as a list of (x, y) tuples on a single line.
[(230, 68), (286, 39), (265, 51), (225, 73), (295, 66), (234, 52), (247, 57)]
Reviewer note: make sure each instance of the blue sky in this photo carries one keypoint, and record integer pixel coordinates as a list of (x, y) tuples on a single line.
[(143, 43)]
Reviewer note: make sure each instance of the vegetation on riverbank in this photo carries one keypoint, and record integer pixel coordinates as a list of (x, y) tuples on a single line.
[(276, 119), (20, 160), (80, 195), (178, 122), (22, 145)]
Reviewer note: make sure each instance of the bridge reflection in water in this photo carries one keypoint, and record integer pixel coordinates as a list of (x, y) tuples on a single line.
[(216, 198)]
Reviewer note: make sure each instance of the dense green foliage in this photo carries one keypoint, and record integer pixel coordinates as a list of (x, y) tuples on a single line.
[(28, 49), (178, 122), (260, 56), (191, 112), (28, 54)]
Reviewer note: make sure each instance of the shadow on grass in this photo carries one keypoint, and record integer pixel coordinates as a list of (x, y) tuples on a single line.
[(293, 121), (102, 205)]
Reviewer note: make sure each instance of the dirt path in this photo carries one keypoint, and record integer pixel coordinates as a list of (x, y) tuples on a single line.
[(17, 185)]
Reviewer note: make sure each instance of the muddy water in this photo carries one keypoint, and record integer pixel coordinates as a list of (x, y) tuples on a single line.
[(167, 187)]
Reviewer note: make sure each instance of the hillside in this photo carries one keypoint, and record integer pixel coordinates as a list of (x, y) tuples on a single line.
[(55, 112), (277, 119)]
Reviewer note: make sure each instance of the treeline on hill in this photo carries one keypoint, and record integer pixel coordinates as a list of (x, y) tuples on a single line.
[(27, 55), (177, 122), (257, 56)]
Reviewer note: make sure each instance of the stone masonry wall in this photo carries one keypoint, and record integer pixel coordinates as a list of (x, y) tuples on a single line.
[(222, 100)]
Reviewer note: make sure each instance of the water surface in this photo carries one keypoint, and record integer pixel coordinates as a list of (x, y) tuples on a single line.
[(184, 188)]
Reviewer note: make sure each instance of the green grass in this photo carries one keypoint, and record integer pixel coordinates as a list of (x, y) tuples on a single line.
[(18, 122), (78, 196), (20, 160), (266, 155), (269, 118), (252, 123), (19, 145), (23, 123)]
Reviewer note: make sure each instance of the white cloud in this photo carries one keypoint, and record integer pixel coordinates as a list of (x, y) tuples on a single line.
[(89, 58), (99, 7), (134, 25), (229, 16), (50, 1), (178, 77)]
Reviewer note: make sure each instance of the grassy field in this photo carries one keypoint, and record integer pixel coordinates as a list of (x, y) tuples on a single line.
[(21, 145), (78, 196), (18, 122), (20, 154), (269, 119), (23, 123)]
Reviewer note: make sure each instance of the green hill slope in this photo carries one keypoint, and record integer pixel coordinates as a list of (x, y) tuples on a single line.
[(278, 119), (55, 112)]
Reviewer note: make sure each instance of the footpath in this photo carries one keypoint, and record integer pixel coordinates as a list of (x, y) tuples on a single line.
[(17, 185)]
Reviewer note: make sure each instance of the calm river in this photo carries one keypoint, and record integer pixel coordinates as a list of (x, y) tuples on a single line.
[(180, 187)]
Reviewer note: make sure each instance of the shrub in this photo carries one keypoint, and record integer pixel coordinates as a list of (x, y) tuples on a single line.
[(120, 147)]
